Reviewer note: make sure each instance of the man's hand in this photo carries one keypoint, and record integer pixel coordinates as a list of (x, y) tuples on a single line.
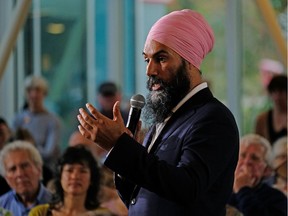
[(243, 178), (101, 129)]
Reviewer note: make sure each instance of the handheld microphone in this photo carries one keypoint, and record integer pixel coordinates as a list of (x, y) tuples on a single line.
[(137, 102)]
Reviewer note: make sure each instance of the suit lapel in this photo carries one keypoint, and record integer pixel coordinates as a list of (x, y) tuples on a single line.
[(149, 136)]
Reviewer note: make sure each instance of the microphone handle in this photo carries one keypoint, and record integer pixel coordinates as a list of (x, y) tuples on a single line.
[(133, 118)]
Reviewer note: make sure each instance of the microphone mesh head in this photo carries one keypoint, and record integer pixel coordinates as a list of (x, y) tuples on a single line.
[(137, 101)]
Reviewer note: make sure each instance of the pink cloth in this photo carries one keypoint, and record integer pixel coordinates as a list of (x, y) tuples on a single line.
[(268, 69), (186, 32)]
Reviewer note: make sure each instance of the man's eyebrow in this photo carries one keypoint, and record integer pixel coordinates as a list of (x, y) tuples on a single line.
[(157, 53)]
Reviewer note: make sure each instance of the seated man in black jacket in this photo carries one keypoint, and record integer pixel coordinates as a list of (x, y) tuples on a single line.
[(250, 195), (5, 137)]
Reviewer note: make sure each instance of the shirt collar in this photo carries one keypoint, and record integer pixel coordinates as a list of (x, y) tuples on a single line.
[(190, 94), (186, 98), (40, 195)]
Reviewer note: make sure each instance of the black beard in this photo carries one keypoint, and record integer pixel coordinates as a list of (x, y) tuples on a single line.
[(159, 104)]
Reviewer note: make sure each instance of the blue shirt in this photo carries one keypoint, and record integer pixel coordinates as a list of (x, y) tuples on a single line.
[(45, 129), (11, 202)]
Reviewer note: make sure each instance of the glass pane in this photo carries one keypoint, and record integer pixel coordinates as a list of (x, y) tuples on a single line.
[(63, 57), (258, 44), (214, 66)]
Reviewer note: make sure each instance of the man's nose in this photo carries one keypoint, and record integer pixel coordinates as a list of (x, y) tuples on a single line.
[(247, 160), (19, 171), (152, 68)]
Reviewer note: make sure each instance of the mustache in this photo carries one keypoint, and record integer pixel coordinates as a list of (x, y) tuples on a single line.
[(152, 80)]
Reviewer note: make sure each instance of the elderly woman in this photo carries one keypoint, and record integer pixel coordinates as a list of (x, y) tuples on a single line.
[(76, 185)]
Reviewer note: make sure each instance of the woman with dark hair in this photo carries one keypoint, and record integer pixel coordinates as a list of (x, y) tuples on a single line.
[(76, 185), (272, 124)]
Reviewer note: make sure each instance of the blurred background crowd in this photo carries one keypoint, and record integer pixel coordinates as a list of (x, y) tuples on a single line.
[(71, 52)]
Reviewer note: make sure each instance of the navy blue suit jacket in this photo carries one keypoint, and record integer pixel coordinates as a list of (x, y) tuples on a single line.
[(190, 169), (261, 200)]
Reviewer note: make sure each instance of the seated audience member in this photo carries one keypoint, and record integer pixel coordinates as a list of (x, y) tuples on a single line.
[(77, 138), (5, 133), (108, 195), (251, 196), (5, 136), (76, 185), (42, 124), (24, 134), (272, 124), (279, 164), (21, 165), (269, 68), (108, 94)]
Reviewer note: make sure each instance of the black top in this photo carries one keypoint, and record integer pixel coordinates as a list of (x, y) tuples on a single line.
[(262, 200), (274, 135), (4, 187)]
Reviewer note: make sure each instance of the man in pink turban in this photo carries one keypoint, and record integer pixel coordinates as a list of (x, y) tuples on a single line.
[(185, 165), (186, 32)]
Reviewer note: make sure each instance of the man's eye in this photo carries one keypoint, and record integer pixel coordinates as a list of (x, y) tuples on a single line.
[(146, 60), (242, 155), (161, 59), (12, 169), (25, 165), (254, 158)]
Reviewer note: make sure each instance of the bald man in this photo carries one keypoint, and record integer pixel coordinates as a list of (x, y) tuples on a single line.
[(187, 161)]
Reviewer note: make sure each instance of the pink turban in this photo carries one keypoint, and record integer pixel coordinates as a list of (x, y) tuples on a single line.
[(186, 32)]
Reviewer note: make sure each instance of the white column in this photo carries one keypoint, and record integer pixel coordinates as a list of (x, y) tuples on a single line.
[(147, 15), (7, 93), (234, 58), (36, 37), (20, 68), (115, 41), (91, 68)]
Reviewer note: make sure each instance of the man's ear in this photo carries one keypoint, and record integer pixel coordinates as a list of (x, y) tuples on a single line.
[(40, 170), (193, 69), (189, 65)]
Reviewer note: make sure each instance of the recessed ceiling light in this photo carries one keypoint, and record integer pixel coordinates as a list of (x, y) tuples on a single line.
[(55, 28)]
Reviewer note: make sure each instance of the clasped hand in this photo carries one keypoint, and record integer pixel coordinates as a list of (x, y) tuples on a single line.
[(100, 129), (243, 177)]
